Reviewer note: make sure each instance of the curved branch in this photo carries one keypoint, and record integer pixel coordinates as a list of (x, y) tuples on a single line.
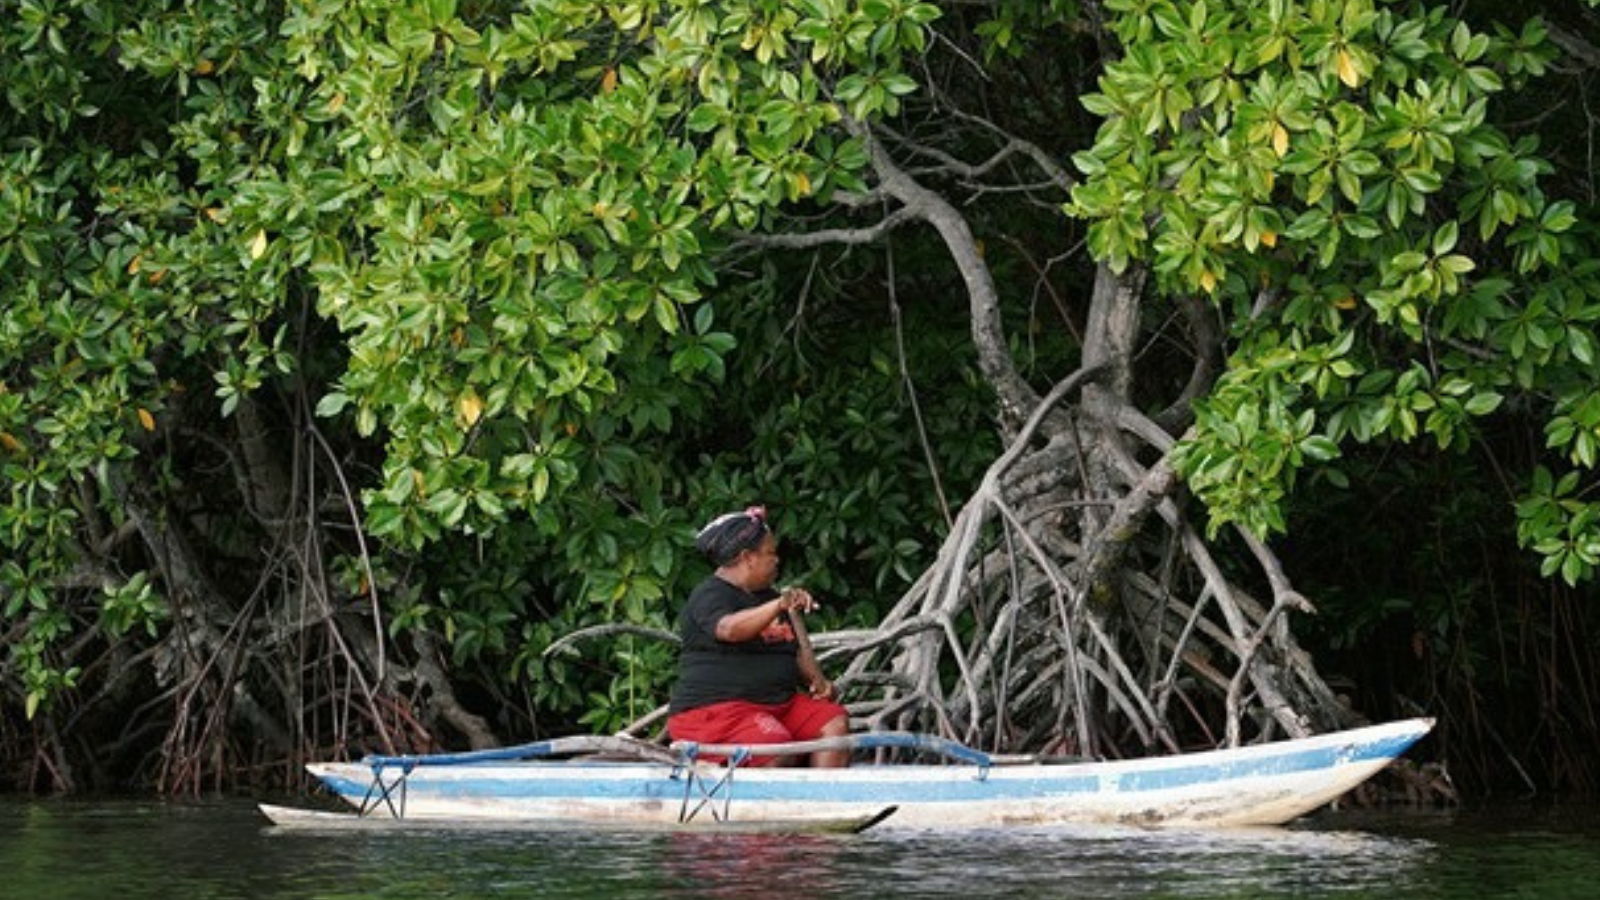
[(361, 545), (1207, 338), (854, 643), (582, 634), (1055, 175), (807, 240), (1574, 45), (1015, 396), (1019, 444)]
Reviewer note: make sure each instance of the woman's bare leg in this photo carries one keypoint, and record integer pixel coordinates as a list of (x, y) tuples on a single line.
[(833, 759)]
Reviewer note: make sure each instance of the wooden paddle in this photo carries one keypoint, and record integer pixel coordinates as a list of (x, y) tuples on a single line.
[(808, 654)]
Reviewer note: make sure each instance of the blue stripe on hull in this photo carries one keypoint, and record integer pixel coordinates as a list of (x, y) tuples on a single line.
[(877, 785), (1301, 761)]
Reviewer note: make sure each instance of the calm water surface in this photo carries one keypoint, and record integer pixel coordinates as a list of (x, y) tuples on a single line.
[(221, 850)]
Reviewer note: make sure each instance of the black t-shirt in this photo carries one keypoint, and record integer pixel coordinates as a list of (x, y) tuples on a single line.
[(764, 670)]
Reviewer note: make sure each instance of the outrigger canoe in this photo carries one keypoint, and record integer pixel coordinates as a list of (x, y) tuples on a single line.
[(623, 783)]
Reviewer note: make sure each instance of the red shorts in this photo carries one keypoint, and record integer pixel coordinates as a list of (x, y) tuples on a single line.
[(800, 718)]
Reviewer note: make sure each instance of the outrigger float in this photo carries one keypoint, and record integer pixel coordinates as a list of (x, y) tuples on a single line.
[(625, 783)]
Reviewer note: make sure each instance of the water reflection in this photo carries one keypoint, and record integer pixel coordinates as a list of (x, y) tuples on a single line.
[(750, 866), (224, 851), (1138, 863)]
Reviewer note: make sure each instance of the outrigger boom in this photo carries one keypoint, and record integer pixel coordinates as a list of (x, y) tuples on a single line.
[(391, 796), (681, 752)]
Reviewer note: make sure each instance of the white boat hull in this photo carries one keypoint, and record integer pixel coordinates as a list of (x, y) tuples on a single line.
[(1265, 784)]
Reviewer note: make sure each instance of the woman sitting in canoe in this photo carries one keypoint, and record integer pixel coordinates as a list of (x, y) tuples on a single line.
[(742, 666)]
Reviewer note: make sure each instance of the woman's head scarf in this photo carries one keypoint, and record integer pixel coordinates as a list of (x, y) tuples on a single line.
[(730, 534)]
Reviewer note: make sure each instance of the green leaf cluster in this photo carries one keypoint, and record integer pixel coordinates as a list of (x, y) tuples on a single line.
[(1387, 256), (508, 212)]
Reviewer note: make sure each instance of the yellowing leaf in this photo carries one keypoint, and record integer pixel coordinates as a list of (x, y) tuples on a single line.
[(336, 103), (1348, 73), (9, 442), (1345, 303), (608, 81), (1280, 139), (205, 67), (258, 247), (133, 264), (1208, 280), (1269, 238), (802, 184), (216, 214), (156, 276), (146, 419), (470, 408)]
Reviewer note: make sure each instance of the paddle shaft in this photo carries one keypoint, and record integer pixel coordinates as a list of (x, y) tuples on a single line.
[(802, 637)]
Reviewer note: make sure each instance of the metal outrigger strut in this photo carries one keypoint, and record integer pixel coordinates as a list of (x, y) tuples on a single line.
[(722, 788), (382, 795)]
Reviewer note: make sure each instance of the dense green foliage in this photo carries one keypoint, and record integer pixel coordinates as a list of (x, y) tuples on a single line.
[(1387, 257), (505, 210), (442, 310)]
